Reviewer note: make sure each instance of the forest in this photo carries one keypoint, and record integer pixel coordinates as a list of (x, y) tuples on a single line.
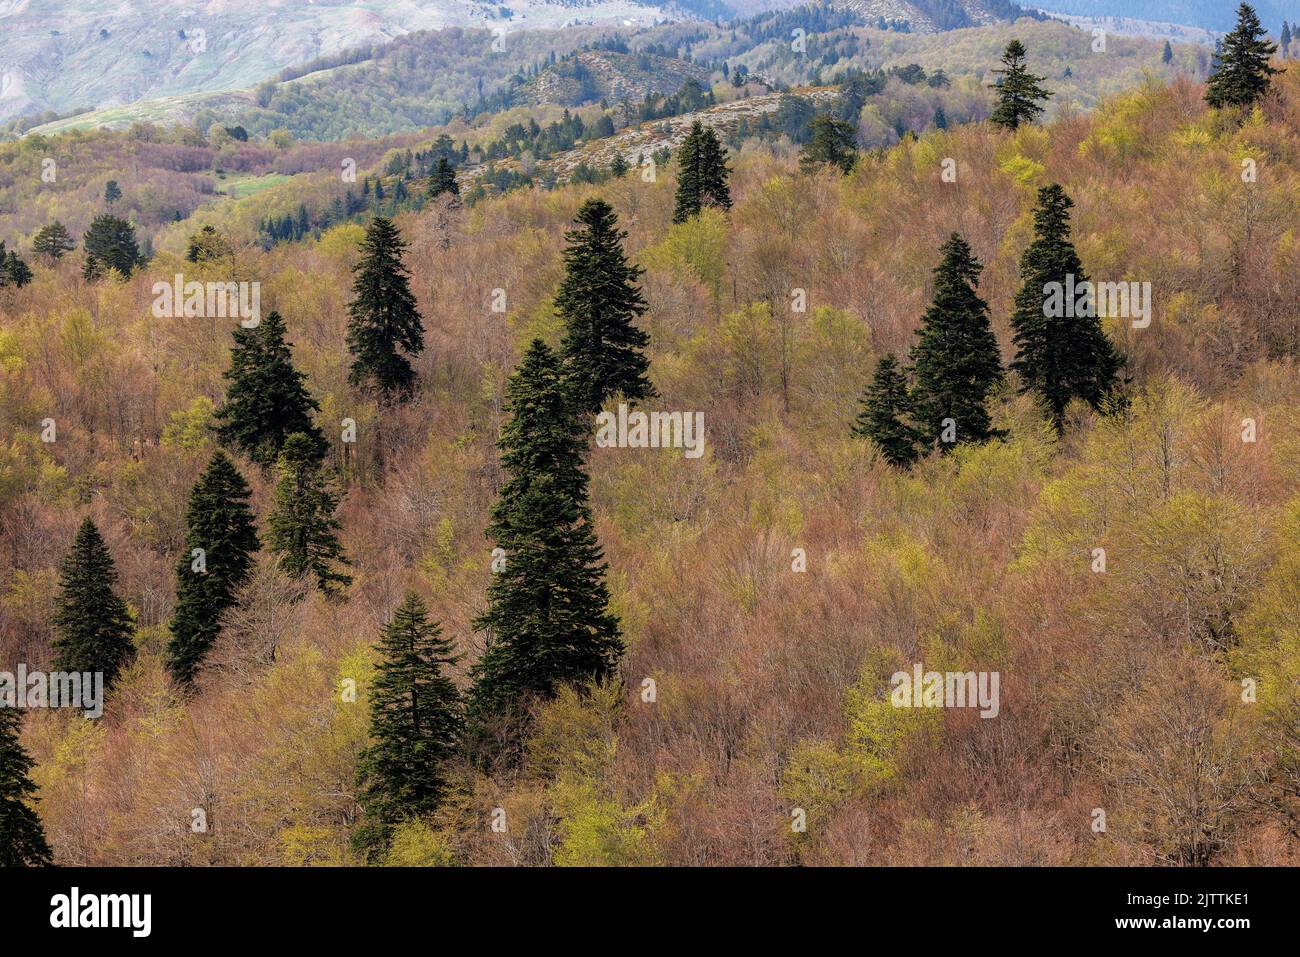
[(364, 588)]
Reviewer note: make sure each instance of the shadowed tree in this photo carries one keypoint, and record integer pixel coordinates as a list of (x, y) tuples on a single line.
[(883, 415), (53, 241), (548, 620), (443, 179), (1059, 356), (833, 143), (384, 326), (220, 540), (702, 173), (93, 625), (267, 400), (415, 725), (302, 528), (599, 300), (22, 836), (955, 363)]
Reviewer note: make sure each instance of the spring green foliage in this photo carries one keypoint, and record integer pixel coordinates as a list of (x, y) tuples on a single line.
[(218, 521), (385, 327), (955, 363), (1018, 90), (93, 624), (302, 528), (415, 724), (207, 245), (599, 300), (267, 400), (1060, 357)]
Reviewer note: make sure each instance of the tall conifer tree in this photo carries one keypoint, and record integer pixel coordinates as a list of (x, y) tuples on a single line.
[(22, 836), (302, 528), (883, 418), (416, 720), (53, 241), (1061, 357), (93, 624), (1018, 90), (833, 143), (955, 363), (548, 619), (702, 173), (1243, 72), (443, 179), (267, 400), (599, 300), (385, 326), (220, 540)]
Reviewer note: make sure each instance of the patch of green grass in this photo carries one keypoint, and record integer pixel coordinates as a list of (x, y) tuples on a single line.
[(239, 185)]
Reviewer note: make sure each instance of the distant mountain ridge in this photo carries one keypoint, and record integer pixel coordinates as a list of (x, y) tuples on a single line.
[(1217, 15), (60, 55), (608, 75)]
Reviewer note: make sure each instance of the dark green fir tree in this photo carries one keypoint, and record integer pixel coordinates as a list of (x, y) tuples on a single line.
[(267, 400), (955, 363), (599, 300), (14, 271), (92, 624), (884, 415), (110, 243), (548, 621), (302, 528), (1243, 73), (53, 241), (702, 173), (443, 179), (384, 326), (833, 143), (1017, 90), (22, 836), (1060, 354), (416, 721), (220, 541)]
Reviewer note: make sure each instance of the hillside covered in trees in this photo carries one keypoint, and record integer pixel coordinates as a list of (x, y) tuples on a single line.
[(370, 581)]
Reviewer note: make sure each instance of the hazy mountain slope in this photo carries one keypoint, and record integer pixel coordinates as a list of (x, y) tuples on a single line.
[(1219, 15), (65, 54), (424, 78), (607, 75), (57, 56)]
